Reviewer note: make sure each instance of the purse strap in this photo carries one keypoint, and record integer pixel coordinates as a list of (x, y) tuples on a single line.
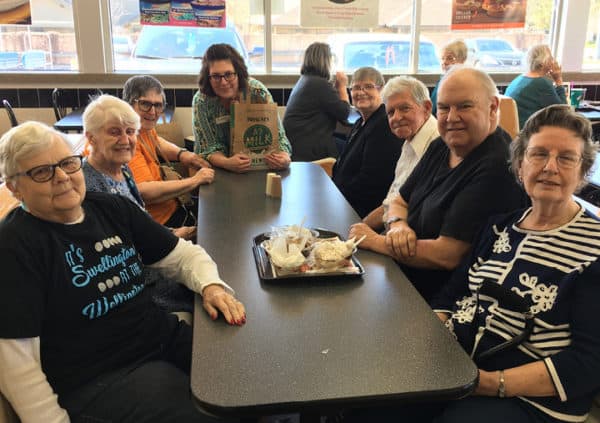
[(154, 153)]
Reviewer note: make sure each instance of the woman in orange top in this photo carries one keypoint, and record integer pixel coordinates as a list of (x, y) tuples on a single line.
[(146, 95)]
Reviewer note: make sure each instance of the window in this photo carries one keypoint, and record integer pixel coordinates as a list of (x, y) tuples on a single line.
[(493, 50), (48, 44), (591, 53)]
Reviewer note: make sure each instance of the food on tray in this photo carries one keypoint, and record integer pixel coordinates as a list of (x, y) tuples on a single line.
[(332, 253), (296, 250)]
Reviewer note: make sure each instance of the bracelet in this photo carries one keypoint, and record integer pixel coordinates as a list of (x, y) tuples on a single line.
[(181, 151), (501, 387)]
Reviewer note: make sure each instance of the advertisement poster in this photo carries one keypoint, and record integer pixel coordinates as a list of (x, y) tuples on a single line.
[(486, 14), (206, 13), (339, 13), (15, 12)]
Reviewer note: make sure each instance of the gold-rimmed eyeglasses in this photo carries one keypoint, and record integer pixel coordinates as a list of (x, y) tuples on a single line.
[(540, 157), (366, 87)]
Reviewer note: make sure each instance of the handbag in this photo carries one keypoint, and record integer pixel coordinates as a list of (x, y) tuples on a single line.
[(168, 173)]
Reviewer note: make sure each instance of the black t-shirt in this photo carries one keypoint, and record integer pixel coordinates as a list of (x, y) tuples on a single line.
[(457, 202), (80, 287)]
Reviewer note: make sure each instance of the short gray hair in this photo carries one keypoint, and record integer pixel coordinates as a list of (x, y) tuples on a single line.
[(559, 116), (537, 56), (105, 108), (138, 86), (25, 141), (484, 80), (368, 72), (400, 84), (317, 60), (458, 48)]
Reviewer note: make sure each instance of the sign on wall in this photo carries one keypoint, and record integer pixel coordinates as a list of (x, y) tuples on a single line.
[(485, 14), (206, 13), (15, 12), (339, 13)]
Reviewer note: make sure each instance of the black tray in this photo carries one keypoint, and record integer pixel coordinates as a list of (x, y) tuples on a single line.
[(265, 270)]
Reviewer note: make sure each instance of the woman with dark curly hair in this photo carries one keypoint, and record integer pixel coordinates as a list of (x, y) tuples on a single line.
[(223, 78)]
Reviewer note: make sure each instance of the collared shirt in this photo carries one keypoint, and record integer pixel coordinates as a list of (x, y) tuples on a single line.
[(412, 151)]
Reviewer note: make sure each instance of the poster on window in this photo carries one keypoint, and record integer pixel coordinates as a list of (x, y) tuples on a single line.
[(486, 14), (339, 13), (206, 13), (15, 12)]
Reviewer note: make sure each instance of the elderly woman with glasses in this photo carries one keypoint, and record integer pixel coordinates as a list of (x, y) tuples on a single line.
[(524, 303), (455, 52), (147, 97), (223, 79), (80, 338), (365, 169)]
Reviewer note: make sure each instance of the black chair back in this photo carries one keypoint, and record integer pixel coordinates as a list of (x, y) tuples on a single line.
[(60, 110), (10, 113)]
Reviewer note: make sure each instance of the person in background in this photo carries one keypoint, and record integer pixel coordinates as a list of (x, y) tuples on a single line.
[(315, 106), (223, 79), (80, 338), (541, 86), (461, 180), (147, 97), (365, 169), (455, 52), (408, 110), (533, 275)]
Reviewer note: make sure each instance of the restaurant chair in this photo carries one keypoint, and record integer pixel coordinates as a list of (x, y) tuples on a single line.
[(509, 116), (60, 110), (9, 111), (327, 164)]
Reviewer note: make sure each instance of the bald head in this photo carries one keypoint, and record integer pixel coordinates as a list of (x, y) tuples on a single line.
[(467, 108)]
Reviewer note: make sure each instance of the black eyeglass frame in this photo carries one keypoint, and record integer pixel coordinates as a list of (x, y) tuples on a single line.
[(146, 106), (60, 164), (227, 76)]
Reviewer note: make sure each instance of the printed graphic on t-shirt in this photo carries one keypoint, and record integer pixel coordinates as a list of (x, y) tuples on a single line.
[(110, 275)]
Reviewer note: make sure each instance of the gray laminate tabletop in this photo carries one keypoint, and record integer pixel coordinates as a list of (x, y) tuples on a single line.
[(312, 344)]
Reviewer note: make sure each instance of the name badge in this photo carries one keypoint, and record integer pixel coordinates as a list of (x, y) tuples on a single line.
[(222, 119)]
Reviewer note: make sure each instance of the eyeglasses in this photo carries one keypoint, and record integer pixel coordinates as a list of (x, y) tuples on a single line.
[(365, 88), (227, 76), (44, 173), (540, 156), (146, 105)]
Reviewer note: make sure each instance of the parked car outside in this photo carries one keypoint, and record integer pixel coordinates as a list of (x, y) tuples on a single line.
[(387, 52), (122, 44), (178, 48), (494, 54)]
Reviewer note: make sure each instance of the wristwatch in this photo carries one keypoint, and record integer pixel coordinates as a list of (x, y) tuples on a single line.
[(394, 219), (183, 150), (501, 387)]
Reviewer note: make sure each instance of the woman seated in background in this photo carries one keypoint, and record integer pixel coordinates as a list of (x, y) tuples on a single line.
[(223, 79), (315, 107), (147, 97), (408, 110), (461, 180), (533, 276), (365, 169), (455, 52), (541, 86), (80, 338)]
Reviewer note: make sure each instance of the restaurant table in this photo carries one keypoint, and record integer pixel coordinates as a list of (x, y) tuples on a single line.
[(74, 120), (314, 344)]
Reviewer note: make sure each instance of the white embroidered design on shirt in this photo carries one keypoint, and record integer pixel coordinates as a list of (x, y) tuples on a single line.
[(542, 295), (502, 244)]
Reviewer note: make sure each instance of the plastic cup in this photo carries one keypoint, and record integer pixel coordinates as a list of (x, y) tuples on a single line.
[(577, 95)]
